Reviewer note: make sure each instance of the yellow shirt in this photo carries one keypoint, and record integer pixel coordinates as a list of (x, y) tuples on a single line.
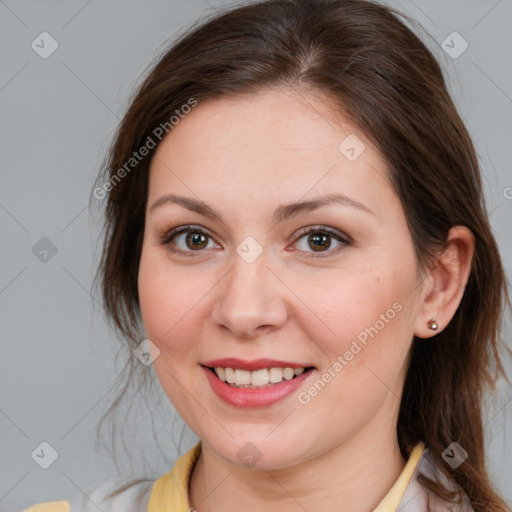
[(169, 493)]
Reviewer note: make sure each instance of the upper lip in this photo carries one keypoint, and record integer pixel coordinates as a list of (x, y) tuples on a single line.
[(256, 364)]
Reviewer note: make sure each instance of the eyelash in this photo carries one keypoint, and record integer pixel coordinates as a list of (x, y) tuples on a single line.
[(343, 239)]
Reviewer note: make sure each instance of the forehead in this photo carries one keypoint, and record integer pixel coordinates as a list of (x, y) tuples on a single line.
[(280, 142)]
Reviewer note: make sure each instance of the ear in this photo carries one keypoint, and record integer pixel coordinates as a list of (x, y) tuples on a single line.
[(444, 286)]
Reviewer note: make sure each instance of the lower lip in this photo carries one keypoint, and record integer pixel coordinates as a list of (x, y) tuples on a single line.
[(256, 397)]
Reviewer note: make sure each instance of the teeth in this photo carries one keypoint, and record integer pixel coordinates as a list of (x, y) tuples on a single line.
[(257, 378), (221, 373), (230, 375), (260, 377), (288, 373), (242, 377), (276, 375)]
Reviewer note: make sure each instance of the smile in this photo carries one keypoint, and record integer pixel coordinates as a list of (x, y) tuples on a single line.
[(265, 377), (265, 391)]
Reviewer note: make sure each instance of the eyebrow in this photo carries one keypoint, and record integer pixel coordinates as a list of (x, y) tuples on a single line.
[(280, 214)]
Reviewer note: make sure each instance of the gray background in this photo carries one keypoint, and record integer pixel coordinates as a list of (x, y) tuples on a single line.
[(59, 360)]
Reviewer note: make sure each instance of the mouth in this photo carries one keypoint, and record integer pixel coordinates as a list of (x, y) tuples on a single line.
[(257, 379)]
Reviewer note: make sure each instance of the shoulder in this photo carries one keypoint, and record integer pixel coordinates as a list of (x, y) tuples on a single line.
[(132, 499), (419, 498)]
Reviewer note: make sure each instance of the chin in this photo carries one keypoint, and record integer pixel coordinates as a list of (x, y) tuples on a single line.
[(257, 452)]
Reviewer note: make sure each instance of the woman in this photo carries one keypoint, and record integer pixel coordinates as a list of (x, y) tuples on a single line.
[(295, 225)]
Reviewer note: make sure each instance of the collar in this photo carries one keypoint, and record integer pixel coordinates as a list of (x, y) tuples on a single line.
[(393, 497), (170, 492)]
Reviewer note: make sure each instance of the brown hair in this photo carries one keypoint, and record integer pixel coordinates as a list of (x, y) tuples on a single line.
[(379, 75)]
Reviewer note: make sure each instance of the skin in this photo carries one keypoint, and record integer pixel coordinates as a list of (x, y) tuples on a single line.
[(259, 152)]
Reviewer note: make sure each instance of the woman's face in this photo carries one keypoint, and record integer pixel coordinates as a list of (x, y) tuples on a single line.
[(343, 298)]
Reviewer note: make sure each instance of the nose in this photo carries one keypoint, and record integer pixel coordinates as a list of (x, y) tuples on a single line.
[(250, 299)]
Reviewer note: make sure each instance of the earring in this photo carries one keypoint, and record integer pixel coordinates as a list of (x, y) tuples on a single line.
[(432, 324)]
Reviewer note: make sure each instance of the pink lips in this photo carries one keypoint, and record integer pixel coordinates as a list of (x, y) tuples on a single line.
[(257, 397)]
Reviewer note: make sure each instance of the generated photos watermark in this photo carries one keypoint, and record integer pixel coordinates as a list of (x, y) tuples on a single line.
[(137, 156), (304, 397)]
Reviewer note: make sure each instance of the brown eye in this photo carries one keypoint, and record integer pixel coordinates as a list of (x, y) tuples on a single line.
[(319, 240), (186, 240), (196, 240)]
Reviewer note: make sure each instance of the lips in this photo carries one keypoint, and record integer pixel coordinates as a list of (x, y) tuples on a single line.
[(257, 396)]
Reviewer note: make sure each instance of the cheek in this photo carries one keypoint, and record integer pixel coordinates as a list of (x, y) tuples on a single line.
[(160, 305), (365, 315), (170, 303), (343, 307), (168, 319), (150, 287), (363, 361)]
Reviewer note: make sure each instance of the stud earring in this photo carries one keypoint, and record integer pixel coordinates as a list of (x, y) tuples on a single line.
[(432, 324)]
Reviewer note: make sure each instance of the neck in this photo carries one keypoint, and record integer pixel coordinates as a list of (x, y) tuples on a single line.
[(354, 475)]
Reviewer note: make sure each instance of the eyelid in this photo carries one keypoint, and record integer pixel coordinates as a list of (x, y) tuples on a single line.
[(338, 235), (168, 235), (166, 238)]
